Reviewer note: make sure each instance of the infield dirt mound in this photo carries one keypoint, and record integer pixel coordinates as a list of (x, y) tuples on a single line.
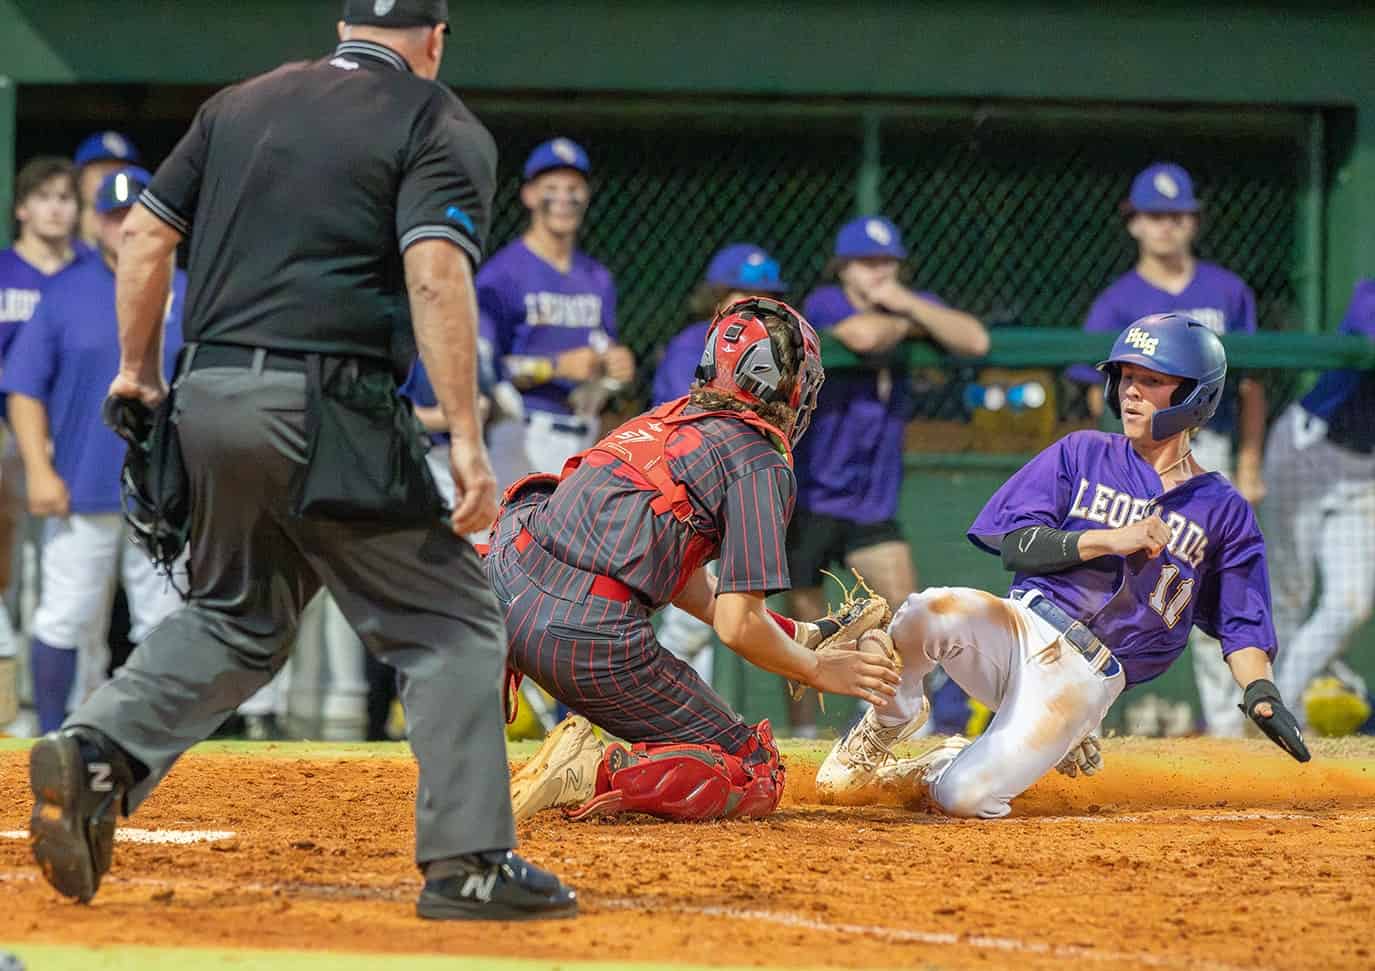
[(1182, 854)]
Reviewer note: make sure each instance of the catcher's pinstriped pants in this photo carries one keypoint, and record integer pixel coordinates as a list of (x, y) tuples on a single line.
[(416, 596), (599, 656)]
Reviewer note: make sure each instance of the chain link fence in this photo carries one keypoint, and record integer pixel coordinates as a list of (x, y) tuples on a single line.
[(1010, 212)]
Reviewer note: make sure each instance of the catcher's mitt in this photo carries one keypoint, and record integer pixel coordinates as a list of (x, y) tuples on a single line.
[(861, 611)]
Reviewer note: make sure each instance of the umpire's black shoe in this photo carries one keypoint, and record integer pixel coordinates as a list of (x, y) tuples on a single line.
[(78, 786), (498, 885)]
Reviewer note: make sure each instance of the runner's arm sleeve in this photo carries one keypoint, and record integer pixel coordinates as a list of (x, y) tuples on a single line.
[(1041, 549)]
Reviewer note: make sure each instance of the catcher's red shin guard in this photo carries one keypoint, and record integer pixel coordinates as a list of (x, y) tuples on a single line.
[(689, 782)]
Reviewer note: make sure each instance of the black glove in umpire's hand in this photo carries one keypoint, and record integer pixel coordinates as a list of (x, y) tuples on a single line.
[(1281, 725), (153, 485), (129, 418)]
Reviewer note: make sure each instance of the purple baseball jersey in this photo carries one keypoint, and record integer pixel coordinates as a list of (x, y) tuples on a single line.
[(66, 356), (21, 287), (678, 368), (1213, 573), (1345, 398), (741, 490), (532, 308), (849, 464), (1215, 297)]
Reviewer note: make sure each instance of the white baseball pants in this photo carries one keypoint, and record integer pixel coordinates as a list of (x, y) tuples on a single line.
[(1045, 694), (84, 556)]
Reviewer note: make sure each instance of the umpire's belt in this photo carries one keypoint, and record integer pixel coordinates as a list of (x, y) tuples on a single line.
[(608, 588), (242, 356), (1074, 632)]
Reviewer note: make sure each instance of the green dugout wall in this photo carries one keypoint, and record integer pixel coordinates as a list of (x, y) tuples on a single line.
[(1267, 54), (999, 134)]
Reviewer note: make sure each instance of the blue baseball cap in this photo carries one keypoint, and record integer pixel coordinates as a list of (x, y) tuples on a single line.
[(744, 266), (121, 189), (1162, 187), (869, 236), (105, 146), (557, 153)]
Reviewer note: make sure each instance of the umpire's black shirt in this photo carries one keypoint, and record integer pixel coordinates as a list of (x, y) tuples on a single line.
[(301, 188)]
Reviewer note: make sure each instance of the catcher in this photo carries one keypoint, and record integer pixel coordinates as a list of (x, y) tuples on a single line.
[(580, 563)]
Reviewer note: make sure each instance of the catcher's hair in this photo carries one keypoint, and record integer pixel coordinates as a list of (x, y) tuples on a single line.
[(776, 413)]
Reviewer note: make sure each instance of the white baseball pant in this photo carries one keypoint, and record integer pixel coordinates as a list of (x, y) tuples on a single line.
[(1319, 520), (1045, 694), (543, 442), (84, 556)]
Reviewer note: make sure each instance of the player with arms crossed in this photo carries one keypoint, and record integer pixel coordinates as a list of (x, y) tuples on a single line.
[(582, 562), (1119, 545)]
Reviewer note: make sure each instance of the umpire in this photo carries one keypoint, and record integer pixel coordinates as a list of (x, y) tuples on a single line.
[(316, 198)]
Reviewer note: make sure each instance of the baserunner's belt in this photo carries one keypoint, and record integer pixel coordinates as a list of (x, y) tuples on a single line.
[(1075, 633)]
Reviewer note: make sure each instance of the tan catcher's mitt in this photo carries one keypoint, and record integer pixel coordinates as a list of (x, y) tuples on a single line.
[(861, 612)]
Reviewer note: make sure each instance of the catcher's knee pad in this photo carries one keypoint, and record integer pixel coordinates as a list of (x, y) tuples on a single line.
[(689, 782)]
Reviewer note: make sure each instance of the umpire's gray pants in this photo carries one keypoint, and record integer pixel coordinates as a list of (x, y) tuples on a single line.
[(417, 597)]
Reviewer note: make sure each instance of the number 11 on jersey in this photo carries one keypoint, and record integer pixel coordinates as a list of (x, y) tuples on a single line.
[(1170, 607)]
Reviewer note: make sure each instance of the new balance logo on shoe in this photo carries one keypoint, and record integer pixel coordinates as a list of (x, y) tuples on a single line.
[(573, 781), (479, 887), (100, 776)]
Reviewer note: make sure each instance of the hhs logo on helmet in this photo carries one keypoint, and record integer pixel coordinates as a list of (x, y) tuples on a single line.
[(1142, 340)]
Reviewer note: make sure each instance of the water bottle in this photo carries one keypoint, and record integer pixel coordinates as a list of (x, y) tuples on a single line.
[(993, 397)]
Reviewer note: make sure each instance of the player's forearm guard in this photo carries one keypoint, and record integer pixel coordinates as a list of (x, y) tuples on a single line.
[(1281, 726), (1040, 549)]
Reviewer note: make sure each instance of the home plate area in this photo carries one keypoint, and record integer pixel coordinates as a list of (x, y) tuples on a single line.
[(1182, 854)]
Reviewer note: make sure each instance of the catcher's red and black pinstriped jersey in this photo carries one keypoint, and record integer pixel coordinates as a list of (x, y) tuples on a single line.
[(741, 489)]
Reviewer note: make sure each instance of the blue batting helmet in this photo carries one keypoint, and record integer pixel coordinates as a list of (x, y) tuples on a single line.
[(1177, 345)]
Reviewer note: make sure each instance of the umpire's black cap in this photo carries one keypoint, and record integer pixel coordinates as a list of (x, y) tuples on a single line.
[(396, 13)]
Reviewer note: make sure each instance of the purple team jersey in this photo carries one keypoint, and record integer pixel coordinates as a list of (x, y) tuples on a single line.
[(678, 369), (66, 356), (1345, 399), (21, 287), (1212, 574), (849, 464), (532, 308), (1215, 297)]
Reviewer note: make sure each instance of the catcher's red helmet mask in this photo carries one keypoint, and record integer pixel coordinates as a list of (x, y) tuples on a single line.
[(739, 358)]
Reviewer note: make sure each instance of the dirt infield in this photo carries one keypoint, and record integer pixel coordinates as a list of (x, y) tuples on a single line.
[(1183, 854)]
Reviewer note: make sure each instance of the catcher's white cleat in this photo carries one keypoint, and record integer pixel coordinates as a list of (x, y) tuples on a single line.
[(562, 773), (922, 770), (863, 750)]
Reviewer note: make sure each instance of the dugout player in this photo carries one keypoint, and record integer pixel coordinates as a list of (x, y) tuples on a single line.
[(549, 316), (1162, 216), (1119, 545), (1319, 513), (580, 563), (849, 471), (53, 378), (98, 156), (46, 211), (305, 239)]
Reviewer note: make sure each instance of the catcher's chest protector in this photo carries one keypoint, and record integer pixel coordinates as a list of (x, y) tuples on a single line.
[(640, 449), (689, 782)]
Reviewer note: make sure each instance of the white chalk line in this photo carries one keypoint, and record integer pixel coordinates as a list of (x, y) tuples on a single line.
[(897, 935), (903, 935), (131, 834)]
